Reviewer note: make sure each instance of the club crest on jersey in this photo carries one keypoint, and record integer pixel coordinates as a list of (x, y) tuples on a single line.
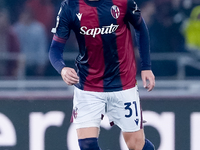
[(115, 11)]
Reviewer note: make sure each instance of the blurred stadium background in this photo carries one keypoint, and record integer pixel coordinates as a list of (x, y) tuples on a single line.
[(36, 105)]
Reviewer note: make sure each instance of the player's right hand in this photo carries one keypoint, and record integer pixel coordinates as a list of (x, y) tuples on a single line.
[(69, 75)]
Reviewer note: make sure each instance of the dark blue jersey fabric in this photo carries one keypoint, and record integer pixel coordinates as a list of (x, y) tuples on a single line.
[(106, 60)]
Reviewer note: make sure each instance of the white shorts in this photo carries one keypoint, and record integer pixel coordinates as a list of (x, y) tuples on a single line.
[(121, 107)]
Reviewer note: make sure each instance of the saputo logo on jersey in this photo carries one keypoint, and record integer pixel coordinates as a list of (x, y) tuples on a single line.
[(95, 31)]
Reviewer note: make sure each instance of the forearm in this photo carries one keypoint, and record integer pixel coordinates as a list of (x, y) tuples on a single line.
[(143, 42), (56, 55)]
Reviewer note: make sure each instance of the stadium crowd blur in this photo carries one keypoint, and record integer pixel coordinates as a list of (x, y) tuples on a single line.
[(25, 36)]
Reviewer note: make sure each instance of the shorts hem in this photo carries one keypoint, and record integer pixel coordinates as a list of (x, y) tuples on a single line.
[(88, 124), (131, 130)]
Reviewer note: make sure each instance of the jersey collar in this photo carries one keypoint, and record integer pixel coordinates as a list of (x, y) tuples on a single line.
[(94, 3)]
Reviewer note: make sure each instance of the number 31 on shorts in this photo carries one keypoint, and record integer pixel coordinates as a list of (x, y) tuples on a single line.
[(128, 106)]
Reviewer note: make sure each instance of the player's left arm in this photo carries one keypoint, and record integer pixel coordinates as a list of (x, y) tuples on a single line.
[(143, 42), (142, 37)]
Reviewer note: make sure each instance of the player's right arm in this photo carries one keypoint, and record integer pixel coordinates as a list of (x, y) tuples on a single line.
[(61, 34), (69, 75)]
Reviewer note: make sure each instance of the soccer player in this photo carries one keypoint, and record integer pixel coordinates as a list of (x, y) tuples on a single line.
[(105, 79)]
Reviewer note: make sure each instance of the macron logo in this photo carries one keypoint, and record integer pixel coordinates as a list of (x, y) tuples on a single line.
[(136, 121), (79, 15)]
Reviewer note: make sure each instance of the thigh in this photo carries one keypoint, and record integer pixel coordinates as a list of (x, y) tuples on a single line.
[(90, 132), (125, 110), (134, 140), (88, 108)]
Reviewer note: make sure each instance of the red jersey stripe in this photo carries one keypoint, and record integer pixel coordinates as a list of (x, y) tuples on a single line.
[(94, 49), (126, 59)]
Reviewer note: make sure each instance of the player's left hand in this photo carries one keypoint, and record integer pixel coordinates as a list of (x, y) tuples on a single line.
[(148, 79)]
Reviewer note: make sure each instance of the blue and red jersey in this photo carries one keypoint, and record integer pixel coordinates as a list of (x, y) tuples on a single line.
[(106, 60)]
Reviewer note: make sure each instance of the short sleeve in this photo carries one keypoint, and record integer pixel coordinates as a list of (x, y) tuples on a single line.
[(62, 29), (133, 13)]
